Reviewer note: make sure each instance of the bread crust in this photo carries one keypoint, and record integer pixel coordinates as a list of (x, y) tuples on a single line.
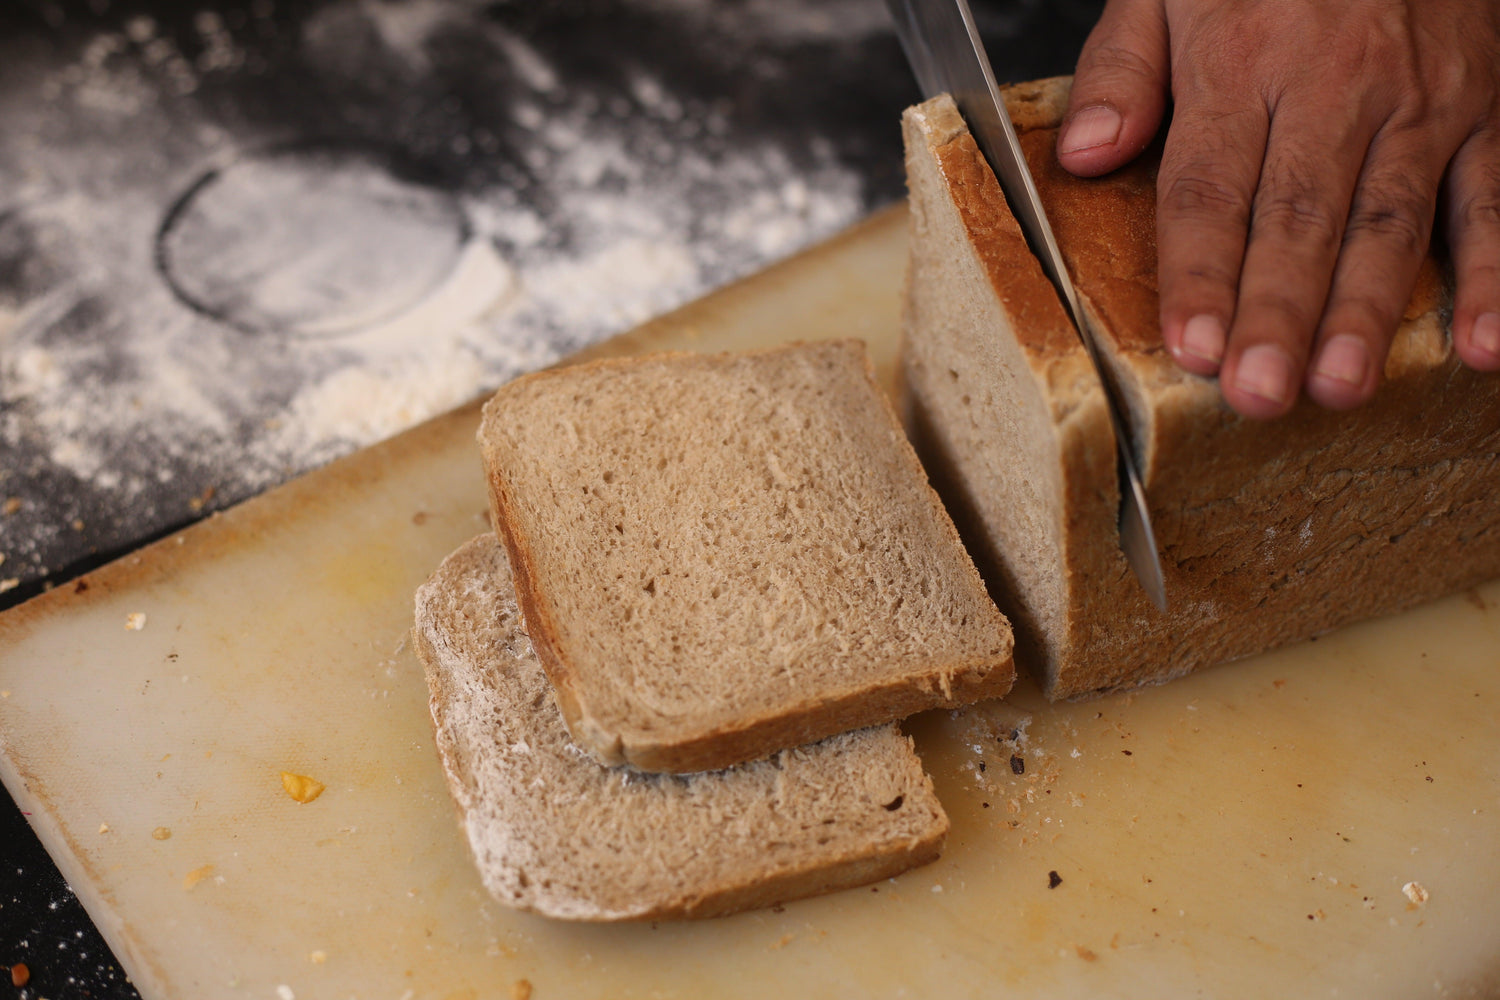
[(1269, 532), (819, 708)]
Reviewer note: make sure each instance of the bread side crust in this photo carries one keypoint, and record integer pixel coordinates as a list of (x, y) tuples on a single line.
[(614, 739)]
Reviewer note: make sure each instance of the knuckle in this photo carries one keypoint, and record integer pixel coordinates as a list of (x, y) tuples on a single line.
[(1285, 318), (1294, 206), (1476, 202), (1110, 59), (1212, 273), (1305, 219), (1198, 196), (1372, 317), (1397, 213)]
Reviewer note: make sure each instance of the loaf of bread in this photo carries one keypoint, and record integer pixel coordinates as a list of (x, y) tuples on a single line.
[(554, 832), (723, 556), (1269, 532)]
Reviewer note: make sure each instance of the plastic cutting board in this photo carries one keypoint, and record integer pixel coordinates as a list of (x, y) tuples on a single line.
[(1323, 821)]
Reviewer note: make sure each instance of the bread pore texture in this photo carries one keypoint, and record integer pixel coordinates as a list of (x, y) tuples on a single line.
[(554, 832), (1269, 532), (722, 556)]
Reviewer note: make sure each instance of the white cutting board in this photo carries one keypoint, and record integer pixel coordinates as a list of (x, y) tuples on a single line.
[(1246, 832)]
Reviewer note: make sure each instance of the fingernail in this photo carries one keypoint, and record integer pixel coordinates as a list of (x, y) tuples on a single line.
[(1098, 125), (1486, 334), (1345, 358), (1203, 338), (1265, 371)]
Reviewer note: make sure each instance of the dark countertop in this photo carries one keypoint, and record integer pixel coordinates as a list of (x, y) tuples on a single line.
[(242, 239)]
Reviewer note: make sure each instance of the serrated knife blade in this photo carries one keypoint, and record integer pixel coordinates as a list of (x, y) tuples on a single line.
[(943, 46)]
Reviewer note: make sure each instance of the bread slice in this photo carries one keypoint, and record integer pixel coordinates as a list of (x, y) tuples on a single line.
[(723, 556), (1269, 532), (554, 832)]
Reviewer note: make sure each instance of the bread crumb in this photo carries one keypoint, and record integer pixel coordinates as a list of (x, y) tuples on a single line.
[(197, 875), (103, 827), (520, 990), (1415, 892), (135, 621), (10, 583), (301, 787), (161, 833), (20, 975), (1087, 954), (317, 957), (284, 992)]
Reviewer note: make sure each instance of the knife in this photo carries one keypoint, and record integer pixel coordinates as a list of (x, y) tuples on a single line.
[(946, 54)]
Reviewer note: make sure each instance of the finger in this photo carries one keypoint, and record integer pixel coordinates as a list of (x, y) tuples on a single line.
[(1205, 188), (1385, 240), (1473, 225), (1119, 89), (1313, 157)]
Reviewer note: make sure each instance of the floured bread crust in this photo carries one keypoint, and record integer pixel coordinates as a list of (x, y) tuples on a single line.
[(554, 832)]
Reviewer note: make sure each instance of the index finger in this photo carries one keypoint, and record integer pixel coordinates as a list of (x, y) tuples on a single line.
[(1205, 189)]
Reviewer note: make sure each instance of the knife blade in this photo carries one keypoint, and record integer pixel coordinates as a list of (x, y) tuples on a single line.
[(943, 46)]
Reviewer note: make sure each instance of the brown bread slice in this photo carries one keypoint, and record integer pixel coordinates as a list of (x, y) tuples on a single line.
[(553, 831), (1269, 532), (723, 556)]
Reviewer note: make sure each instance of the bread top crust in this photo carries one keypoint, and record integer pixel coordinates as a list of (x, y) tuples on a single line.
[(1106, 227)]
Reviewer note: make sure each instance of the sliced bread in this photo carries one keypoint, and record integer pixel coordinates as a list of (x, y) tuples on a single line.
[(554, 832), (723, 556), (1269, 532)]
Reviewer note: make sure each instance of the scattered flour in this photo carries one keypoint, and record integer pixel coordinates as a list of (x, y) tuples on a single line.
[(350, 325)]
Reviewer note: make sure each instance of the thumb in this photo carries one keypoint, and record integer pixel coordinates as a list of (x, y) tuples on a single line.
[(1119, 90)]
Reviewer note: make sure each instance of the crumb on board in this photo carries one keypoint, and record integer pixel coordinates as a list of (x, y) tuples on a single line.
[(161, 833), (1053, 880), (135, 621), (317, 957), (520, 990), (103, 828), (197, 875), (300, 787), (1416, 892)]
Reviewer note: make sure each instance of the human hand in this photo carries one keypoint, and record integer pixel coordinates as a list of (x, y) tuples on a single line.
[(1310, 144)]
